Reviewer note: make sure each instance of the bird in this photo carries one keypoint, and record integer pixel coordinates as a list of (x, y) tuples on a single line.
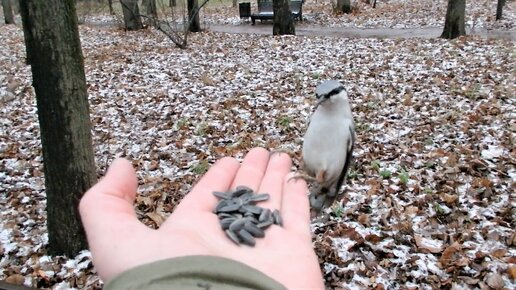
[(328, 144)]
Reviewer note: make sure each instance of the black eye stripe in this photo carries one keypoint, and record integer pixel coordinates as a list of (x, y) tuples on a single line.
[(332, 92)]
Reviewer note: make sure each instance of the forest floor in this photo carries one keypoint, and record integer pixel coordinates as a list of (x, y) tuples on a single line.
[(430, 202)]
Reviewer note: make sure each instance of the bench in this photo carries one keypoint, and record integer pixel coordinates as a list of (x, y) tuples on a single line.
[(265, 10)]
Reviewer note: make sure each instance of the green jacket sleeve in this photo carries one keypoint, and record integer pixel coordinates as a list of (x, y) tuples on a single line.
[(193, 272)]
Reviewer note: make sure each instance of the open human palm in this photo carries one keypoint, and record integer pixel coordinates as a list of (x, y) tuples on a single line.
[(119, 242)]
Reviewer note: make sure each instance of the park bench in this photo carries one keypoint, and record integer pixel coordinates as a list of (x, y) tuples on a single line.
[(265, 10)]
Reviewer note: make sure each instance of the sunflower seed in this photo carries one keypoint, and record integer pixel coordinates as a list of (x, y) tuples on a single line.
[(277, 218), (232, 236), (252, 209), (254, 230), (232, 205), (246, 237), (265, 224), (237, 224), (240, 218), (260, 197), (264, 215), (222, 195), (225, 223), (239, 191)]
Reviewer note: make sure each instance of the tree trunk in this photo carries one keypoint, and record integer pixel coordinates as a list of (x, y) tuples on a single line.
[(454, 25), (111, 10), (172, 3), (132, 19), (8, 12), (499, 9), (344, 6), (150, 8), (283, 22), (193, 15), (54, 53), (235, 3)]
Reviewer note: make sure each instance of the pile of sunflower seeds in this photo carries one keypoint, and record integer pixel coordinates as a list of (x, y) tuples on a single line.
[(241, 219)]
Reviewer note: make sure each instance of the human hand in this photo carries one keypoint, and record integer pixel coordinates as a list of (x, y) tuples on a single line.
[(119, 242)]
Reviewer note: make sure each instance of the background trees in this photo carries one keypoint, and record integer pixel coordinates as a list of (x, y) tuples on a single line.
[(283, 20), (8, 11), (454, 23), (54, 53)]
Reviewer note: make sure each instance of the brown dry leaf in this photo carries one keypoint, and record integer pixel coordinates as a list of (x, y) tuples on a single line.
[(411, 210), (494, 280), (448, 254), (499, 253), (511, 271), (449, 198), (156, 217), (16, 279), (363, 219), (432, 246)]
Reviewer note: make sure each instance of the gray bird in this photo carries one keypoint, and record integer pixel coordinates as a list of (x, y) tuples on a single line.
[(328, 143)]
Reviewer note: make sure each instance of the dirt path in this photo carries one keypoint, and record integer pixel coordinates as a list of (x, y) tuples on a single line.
[(431, 32)]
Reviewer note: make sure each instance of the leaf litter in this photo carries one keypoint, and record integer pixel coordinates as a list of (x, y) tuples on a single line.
[(430, 200)]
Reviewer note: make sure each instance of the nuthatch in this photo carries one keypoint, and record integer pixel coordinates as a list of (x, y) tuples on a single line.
[(328, 143)]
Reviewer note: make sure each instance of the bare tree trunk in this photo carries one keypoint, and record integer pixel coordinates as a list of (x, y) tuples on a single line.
[(344, 6), (132, 19), (111, 10), (150, 8), (172, 3), (54, 53), (454, 25), (283, 22), (193, 15), (499, 9), (8, 12)]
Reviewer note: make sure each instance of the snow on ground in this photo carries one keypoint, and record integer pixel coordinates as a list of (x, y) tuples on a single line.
[(430, 200)]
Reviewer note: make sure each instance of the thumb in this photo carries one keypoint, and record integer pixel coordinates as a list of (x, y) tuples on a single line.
[(108, 206)]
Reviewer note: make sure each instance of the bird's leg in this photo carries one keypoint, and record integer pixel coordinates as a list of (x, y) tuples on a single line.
[(279, 151), (304, 176), (321, 174)]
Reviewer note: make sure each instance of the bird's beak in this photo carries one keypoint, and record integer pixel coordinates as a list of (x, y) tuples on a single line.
[(320, 101)]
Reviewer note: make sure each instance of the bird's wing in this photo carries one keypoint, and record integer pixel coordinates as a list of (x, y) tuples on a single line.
[(349, 156)]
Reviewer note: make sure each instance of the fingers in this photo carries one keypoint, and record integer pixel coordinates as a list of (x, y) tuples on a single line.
[(107, 208), (295, 207), (218, 178), (252, 169), (272, 182)]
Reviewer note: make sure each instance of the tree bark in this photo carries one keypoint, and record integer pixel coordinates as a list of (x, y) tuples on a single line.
[(132, 19), (499, 9), (8, 12), (454, 25), (54, 53), (151, 9), (193, 15), (344, 6), (283, 22), (111, 10)]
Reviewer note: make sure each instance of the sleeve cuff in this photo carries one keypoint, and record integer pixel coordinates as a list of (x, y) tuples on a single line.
[(193, 272)]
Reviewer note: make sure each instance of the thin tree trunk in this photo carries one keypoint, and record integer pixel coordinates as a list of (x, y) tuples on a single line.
[(193, 15), (283, 22), (54, 53), (172, 3), (150, 8), (111, 10), (8, 12), (454, 25), (344, 6), (132, 19), (499, 9)]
